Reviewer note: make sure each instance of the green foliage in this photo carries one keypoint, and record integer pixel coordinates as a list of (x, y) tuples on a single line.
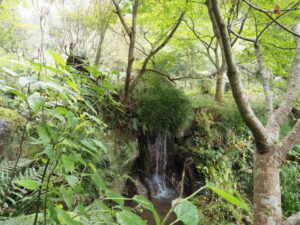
[(187, 212), (160, 107), (204, 85), (290, 181), (14, 199)]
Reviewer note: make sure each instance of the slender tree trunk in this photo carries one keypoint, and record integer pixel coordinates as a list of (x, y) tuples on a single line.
[(219, 87), (265, 75), (267, 195), (99, 48), (219, 81)]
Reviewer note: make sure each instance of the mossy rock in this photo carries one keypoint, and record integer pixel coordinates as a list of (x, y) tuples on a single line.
[(11, 125)]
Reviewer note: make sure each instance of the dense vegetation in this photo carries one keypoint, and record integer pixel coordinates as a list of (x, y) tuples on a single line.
[(102, 102)]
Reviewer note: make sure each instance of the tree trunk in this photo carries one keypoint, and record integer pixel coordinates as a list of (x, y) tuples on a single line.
[(267, 195), (219, 87), (99, 48)]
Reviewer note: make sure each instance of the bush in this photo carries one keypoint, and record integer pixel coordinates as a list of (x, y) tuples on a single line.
[(204, 85), (160, 107)]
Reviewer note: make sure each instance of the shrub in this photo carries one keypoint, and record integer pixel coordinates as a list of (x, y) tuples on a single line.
[(160, 107)]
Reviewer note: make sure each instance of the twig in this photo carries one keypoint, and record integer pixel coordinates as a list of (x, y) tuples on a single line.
[(266, 12)]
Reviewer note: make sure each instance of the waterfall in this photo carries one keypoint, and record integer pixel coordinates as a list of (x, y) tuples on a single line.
[(158, 181)]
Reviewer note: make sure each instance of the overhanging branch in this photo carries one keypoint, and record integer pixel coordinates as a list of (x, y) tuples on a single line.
[(266, 12), (184, 77)]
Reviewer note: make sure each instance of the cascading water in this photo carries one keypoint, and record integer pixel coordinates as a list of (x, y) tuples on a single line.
[(158, 181)]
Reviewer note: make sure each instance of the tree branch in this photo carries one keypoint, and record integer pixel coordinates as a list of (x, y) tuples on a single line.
[(160, 73), (280, 115), (180, 78), (266, 12), (154, 51), (240, 36), (279, 47), (128, 31), (279, 16), (241, 27), (234, 77)]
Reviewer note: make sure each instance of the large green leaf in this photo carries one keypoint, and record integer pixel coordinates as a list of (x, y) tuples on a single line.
[(187, 212), (228, 197), (67, 163), (43, 134), (98, 181), (129, 218), (35, 102), (72, 180), (29, 184), (58, 58), (116, 197), (67, 194), (145, 203)]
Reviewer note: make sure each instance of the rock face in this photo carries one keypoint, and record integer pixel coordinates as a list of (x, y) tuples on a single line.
[(11, 125)]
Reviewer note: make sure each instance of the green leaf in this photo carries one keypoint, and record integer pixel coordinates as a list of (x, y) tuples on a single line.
[(58, 58), (56, 114), (71, 119), (67, 163), (66, 195), (187, 212), (129, 218), (16, 92), (72, 180), (101, 145), (71, 83), (89, 145), (145, 203), (10, 72), (99, 181), (92, 167), (35, 102), (228, 197), (29, 184), (98, 121), (66, 218), (43, 134), (112, 194)]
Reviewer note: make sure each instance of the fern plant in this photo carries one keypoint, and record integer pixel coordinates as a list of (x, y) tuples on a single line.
[(15, 199)]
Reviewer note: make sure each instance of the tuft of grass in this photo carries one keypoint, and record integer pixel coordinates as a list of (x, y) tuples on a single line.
[(160, 107)]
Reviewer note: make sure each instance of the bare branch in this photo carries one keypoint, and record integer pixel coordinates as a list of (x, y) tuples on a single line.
[(160, 73), (272, 18), (128, 31), (180, 78), (240, 36), (279, 47)]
